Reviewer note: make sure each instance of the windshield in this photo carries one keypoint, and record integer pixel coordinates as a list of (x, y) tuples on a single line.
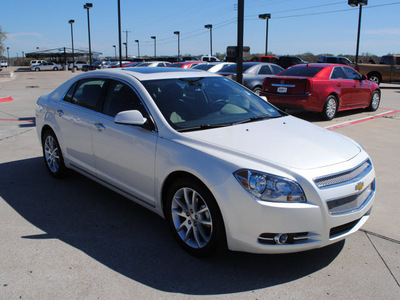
[(302, 71), (207, 102)]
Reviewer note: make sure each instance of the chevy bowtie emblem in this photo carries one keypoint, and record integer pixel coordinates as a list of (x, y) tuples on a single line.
[(359, 186)]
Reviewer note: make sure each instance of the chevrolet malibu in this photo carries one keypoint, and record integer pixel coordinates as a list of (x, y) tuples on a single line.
[(225, 168)]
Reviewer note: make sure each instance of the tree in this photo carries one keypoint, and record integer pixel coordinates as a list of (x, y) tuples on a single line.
[(2, 38)]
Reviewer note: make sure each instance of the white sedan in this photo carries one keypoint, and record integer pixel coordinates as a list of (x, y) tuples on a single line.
[(223, 166), (46, 66)]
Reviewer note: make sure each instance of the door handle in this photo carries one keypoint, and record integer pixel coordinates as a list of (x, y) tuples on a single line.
[(99, 126), (60, 113)]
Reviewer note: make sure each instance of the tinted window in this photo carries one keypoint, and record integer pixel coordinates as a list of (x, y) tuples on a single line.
[(397, 60), (121, 97), (88, 93), (203, 66), (338, 73), (331, 60), (232, 68), (386, 60), (302, 71), (351, 73), (70, 93), (276, 69), (265, 70)]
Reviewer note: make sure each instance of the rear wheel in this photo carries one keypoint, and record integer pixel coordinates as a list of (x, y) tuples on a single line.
[(330, 108), (194, 217), (37, 69), (375, 101), (55, 69), (52, 155), (257, 90)]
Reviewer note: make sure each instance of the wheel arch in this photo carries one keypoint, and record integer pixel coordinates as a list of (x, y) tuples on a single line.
[(376, 73)]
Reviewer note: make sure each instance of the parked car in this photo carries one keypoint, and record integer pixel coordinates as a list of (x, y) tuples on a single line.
[(334, 60), (153, 64), (266, 58), (288, 61), (254, 73), (222, 165), (46, 66), (3, 64), (212, 67), (185, 64), (324, 88), (388, 69), (98, 64), (37, 62), (77, 65), (209, 58), (189, 58)]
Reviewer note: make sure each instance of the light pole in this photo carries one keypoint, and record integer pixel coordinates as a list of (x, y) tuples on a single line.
[(138, 49), (119, 33), (126, 50), (88, 6), (8, 55), (209, 26), (265, 17), (115, 51), (178, 34), (354, 3), (155, 46), (72, 41)]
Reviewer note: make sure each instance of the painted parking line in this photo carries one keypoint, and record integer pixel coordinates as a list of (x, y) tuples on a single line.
[(6, 99), (32, 120), (352, 122)]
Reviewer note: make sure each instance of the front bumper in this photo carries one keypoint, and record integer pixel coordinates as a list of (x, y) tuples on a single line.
[(251, 225)]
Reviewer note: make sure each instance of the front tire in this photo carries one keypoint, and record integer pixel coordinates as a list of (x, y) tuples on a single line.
[(52, 155), (194, 217), (55, 69), (330, 108), (375, 101)]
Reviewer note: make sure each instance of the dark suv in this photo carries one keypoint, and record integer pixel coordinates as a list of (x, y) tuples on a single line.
[(288, 61), (334, 60)]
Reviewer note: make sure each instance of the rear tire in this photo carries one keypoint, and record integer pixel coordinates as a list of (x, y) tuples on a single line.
[(330, 108), (52, 155), (37, 69), (55, 69), (374, 77), (257, 90)]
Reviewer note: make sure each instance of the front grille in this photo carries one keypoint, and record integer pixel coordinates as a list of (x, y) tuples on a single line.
[(342, 229), (350, 175), (351, 203)]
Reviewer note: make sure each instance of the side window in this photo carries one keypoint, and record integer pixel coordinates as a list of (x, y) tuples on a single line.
[(88, 92), (351, 73), (264, 70), (338, 73), (276, 69), (121, 97), (70, 93)]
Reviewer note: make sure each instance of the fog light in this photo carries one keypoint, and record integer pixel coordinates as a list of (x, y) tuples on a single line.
[(281, 238)]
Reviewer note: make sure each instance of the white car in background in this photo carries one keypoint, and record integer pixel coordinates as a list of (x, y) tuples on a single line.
[(37, 62), (3, 64), (46, 66), (152, 64), (212, 67), (223, 166), (77, 65)]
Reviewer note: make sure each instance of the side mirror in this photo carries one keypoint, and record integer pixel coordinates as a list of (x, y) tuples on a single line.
[(364, 77), (130, 117)]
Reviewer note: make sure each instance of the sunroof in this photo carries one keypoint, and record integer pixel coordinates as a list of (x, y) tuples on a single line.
[(150, 70)]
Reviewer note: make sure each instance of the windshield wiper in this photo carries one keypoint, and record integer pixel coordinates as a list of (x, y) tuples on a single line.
[(204, 126), (252, 119)]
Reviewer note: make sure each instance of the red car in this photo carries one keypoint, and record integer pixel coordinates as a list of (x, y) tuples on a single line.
[(185, 64), (324, 88)]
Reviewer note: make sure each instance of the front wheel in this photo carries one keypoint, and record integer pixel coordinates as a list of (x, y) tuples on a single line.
[(194, 217), (55, 69), (52, 155), (330, 108), (375, 101)]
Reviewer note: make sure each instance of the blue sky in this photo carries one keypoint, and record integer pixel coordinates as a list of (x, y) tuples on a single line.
[(296, 26)]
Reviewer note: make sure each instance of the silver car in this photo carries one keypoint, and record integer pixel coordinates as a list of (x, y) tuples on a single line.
[(46, 66)]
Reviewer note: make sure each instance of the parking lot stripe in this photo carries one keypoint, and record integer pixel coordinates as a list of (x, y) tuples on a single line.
[(348, 123), (6, 99)]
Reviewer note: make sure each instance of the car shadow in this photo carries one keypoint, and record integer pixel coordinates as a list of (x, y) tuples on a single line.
[(316, 117), (137, 243)]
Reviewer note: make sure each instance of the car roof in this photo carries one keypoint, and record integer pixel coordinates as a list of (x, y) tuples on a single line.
[(143, 74)]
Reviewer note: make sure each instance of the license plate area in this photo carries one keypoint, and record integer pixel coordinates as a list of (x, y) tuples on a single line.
[(281, 89)]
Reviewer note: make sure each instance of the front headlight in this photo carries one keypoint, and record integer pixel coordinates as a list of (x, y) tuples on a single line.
[(269, 187)]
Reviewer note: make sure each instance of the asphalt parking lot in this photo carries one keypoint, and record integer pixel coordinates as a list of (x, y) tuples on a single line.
[(74, 239)]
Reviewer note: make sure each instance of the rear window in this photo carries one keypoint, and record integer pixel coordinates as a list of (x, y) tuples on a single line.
[(302, 71), (232, 68)]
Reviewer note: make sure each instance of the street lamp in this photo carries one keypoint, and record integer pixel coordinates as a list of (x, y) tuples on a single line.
[(126, 51), (115, 51), (88, 6), (354, 3), (8, 55), (209, 26), (72, 40), (155, 46), (178, 34), (265, 17), (138, 49)]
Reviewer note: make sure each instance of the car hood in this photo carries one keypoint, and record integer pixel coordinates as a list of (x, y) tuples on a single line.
[(285, 141)]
